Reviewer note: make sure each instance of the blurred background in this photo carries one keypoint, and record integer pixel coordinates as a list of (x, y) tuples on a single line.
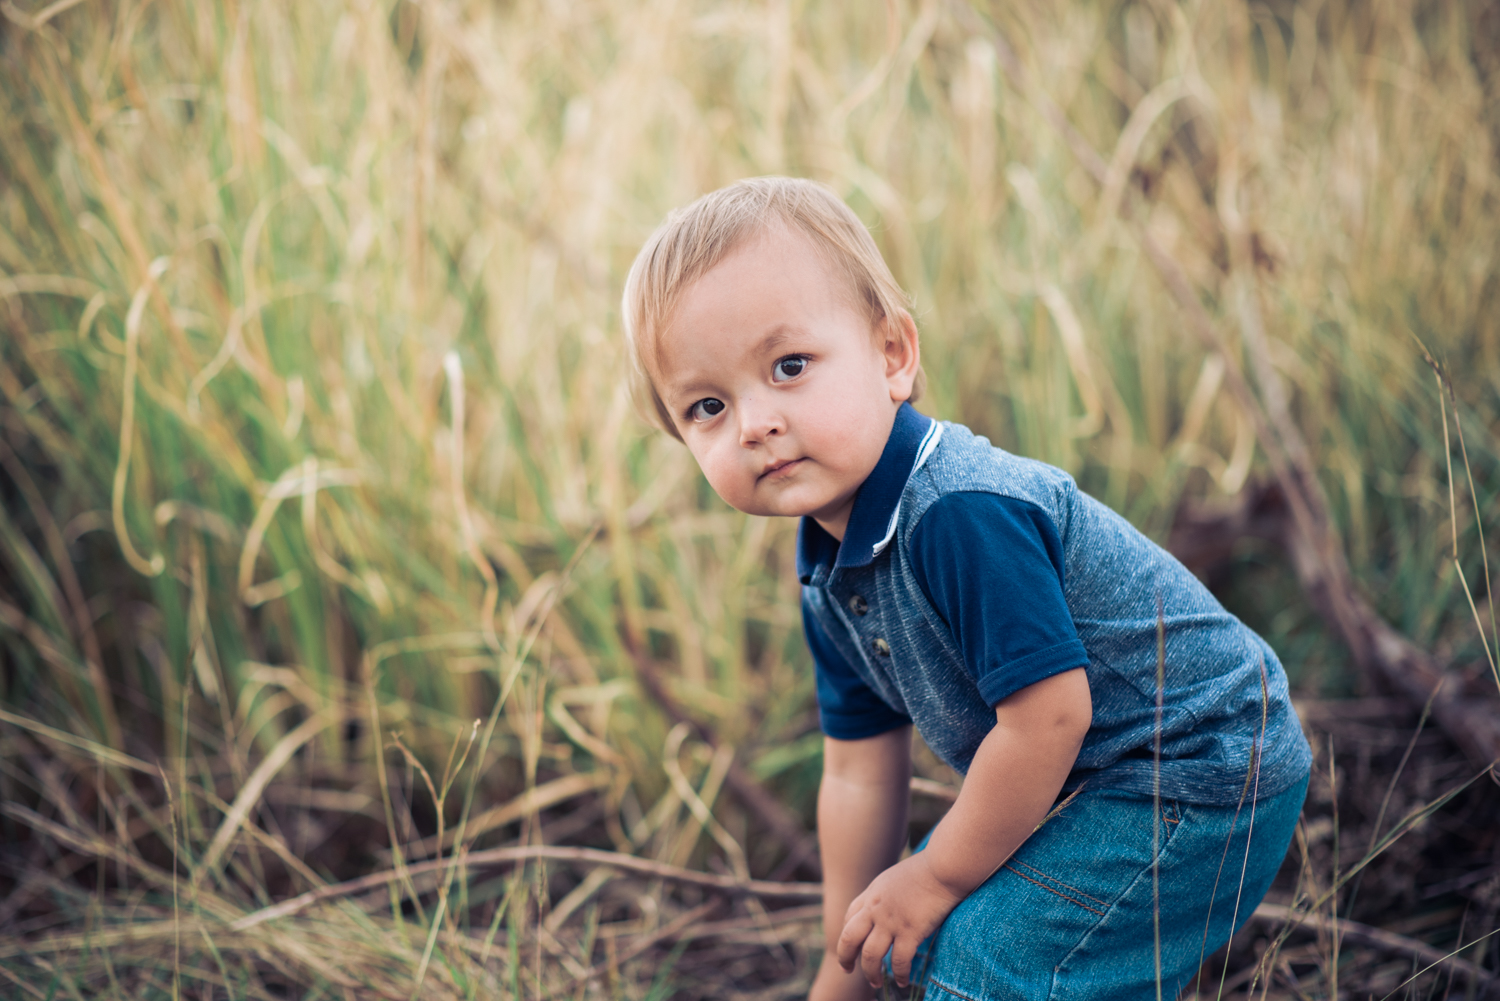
[(331, 543)]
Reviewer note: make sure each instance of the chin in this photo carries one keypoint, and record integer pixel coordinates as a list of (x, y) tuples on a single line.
[(773, 507)]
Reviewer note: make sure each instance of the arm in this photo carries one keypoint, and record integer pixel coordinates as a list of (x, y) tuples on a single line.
[(862, 804), (1014, 779)]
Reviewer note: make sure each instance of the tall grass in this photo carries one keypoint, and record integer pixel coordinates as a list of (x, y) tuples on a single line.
[(317, 447)]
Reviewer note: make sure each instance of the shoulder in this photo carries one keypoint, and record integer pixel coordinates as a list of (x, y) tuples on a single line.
[(972, 527), (966, 463), (982, 516)]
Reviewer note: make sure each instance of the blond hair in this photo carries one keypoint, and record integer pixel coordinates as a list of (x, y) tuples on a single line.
[(695, 238)]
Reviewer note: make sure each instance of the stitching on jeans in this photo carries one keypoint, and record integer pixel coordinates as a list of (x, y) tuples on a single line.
[(1011, 865), (1061, 894), (1144, 873), (958, 994)]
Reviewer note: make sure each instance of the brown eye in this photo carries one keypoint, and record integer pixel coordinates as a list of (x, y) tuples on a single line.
[(788, 368), (706, 409)]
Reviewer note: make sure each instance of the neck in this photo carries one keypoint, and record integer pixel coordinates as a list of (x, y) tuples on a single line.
[(835, 526)]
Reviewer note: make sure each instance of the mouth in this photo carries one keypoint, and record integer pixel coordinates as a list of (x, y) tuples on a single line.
[(780, 470)]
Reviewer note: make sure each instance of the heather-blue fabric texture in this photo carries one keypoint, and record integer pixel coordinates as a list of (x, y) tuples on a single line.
[(1008, 614), (886, 654)]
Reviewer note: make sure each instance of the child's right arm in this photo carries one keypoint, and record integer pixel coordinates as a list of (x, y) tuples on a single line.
[(862, 804)]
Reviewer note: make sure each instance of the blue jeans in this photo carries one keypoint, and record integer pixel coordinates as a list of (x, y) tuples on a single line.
[(1070, 915)]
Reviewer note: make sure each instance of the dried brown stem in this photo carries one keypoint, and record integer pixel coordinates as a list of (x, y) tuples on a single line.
[(1202, 536), (1377, 938), (524, 853), (670, 932)]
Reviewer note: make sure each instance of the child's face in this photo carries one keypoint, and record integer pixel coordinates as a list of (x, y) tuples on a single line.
[(782, 390)]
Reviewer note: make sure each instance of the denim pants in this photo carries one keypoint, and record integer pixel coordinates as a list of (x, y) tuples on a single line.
[(1070, 915)]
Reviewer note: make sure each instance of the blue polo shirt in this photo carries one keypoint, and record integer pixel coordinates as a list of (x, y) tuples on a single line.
[(990, 566), (967, 573)]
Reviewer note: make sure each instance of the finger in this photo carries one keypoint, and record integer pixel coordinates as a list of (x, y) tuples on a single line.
[(901, 957), (873, 955), (855, 906), (856, 928)]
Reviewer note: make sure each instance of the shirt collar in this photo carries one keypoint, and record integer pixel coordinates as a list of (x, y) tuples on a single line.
[(872, 521)]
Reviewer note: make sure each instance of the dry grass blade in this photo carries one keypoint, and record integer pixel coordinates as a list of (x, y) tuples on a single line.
[(529, 803), (88, 747), (255, 785)]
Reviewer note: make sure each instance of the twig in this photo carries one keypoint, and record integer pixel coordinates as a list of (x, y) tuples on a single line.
[(754, 922), (667, 933), (1362, 934), (510, 856)]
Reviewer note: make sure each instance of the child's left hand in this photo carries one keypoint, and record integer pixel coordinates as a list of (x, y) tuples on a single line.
[(901, 907)]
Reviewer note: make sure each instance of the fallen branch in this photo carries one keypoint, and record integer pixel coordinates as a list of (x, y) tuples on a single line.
[(754, 923), (523, 853), (1203, 536), (1377, 938)]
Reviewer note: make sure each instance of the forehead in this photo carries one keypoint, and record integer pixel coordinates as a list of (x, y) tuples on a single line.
[(778, 265), (766, 292)]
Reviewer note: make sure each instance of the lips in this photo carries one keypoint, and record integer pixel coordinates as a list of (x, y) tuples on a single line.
[(777, 470)]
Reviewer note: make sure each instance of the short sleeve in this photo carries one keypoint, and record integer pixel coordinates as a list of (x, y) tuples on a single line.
[(992, 568), (848, 709)]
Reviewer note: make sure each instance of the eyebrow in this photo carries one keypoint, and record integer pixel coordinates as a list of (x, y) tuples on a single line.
[(777, 335)]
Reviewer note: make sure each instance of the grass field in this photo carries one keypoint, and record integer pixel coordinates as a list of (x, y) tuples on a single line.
[(331, 543)]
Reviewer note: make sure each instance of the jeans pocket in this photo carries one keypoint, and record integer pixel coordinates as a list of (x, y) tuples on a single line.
[(1172, 820), (1019, 932), (1052, 884)]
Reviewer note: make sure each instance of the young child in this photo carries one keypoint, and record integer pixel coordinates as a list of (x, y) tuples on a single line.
[(1015, 621)]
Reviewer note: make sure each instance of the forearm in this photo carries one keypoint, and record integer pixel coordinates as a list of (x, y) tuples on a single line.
[(862, 807), (1013, 781)]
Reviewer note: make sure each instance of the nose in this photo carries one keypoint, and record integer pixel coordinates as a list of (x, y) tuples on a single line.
[(759, 421)]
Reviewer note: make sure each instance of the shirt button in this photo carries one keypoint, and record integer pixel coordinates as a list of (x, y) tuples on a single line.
[(858, 605), (882, 647)]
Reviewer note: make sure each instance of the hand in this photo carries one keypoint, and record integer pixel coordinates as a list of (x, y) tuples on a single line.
[(901, 907)]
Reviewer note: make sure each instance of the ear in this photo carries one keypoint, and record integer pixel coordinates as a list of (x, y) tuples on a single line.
[(903, 354)]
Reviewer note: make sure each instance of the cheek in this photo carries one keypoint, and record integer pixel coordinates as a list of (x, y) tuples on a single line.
[(718, 467), (842, 421)]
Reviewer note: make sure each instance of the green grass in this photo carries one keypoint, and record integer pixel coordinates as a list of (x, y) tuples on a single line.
[(339, 198)]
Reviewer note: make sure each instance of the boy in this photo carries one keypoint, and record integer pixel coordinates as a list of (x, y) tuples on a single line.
[(982, 598)]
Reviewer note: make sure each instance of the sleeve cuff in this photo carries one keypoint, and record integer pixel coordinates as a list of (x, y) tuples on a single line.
[(858, 726), (1007, 679)]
